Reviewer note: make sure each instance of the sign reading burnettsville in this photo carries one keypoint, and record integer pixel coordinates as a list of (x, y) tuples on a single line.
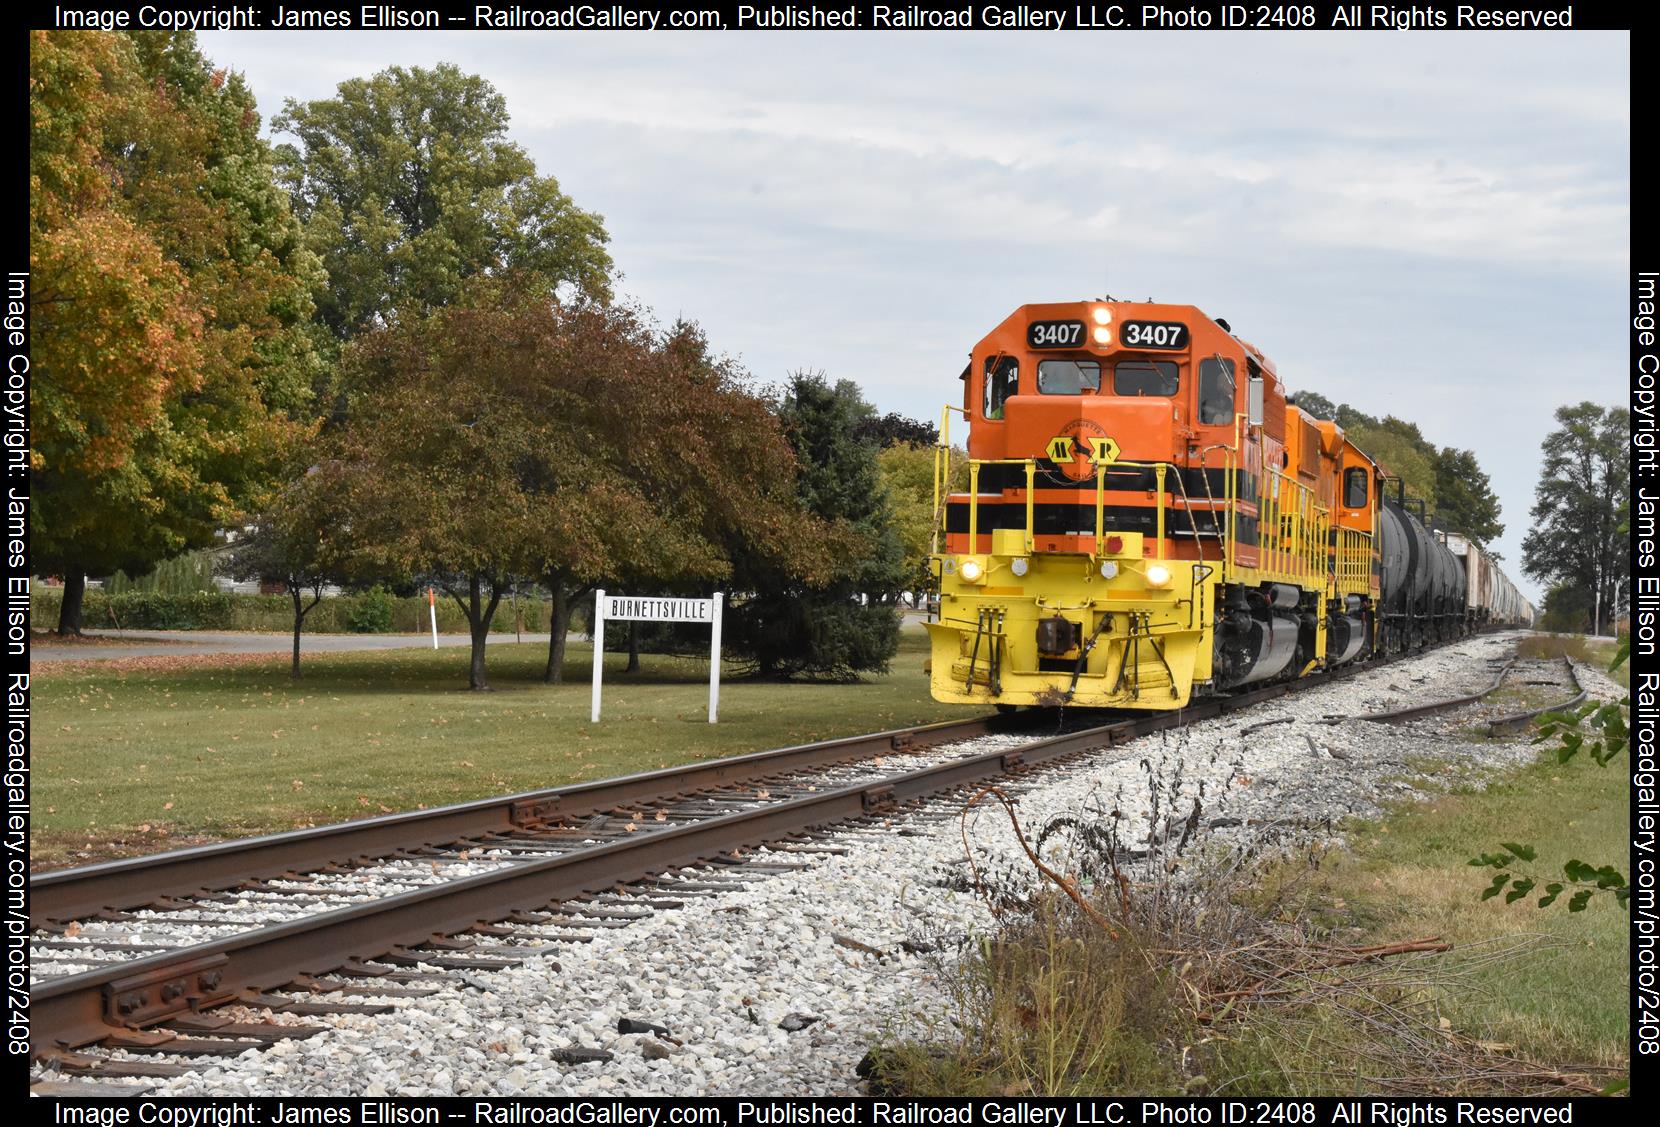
[(631, 608)]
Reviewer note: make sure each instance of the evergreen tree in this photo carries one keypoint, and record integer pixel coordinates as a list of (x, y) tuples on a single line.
[(843, 622)]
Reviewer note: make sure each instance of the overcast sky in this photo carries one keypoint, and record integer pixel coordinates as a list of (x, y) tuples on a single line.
[(1434, 225)]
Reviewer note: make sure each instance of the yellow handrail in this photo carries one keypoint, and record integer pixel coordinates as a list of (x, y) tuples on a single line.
[(1031, 507)]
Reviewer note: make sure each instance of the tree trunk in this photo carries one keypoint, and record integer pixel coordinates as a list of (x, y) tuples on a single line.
[(295, 592), (74, 593), (633, 647), (559, 624), (299, 620), (479, 615)]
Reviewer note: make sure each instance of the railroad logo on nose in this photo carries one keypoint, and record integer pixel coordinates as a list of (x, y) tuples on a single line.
[(1079, 448)]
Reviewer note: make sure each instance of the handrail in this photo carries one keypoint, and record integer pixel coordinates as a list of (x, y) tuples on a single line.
[(1162, 498), (1297, 539)]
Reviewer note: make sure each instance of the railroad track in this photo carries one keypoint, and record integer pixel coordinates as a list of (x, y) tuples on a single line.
[(473, 887), (1500, 725)]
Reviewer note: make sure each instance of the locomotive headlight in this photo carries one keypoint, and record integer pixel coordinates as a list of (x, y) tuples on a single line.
[(1158, 575), (1103, 335), (1109, 569), (971, 571), (1019, 566), (1102, 315)]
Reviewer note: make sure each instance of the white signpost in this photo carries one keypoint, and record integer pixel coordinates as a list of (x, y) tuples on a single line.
[(645, 608)]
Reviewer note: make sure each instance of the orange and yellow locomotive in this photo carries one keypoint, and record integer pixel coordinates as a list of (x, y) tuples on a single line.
[(1145, 518)]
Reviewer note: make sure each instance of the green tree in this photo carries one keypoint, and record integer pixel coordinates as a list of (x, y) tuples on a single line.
[(1401, 449), (286, 545), (894, 429), (408, 185), (1450, 482), (1464, 497), (1315, 404), (171, 298), (1567, 609), (1584, 485), (507, 437), (841, 623), (716, 452), (907, 474)]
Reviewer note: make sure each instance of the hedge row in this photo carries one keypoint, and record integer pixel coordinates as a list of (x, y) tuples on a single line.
[(217, 610)]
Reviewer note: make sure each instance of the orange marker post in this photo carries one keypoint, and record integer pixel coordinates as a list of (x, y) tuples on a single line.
[(432, 609)]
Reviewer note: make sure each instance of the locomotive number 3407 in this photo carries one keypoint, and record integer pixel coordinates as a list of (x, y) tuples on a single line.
[(1155, 334), (1055, 334)]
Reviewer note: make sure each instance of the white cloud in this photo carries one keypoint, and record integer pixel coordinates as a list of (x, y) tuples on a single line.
[(1411, 223)]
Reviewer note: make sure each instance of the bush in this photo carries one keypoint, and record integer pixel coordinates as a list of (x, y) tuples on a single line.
[(371, 612), (150, 610)]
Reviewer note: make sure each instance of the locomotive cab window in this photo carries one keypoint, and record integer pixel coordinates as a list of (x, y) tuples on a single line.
[(1216, 392), (1354, 487), (1002, 381), (1145, 377), (1068, 377)]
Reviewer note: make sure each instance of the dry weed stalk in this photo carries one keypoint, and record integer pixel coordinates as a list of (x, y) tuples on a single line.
[(1226, 925)]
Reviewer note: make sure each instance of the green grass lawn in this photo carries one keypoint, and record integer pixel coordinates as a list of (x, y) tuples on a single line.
[(1564, 998), (133, 761)]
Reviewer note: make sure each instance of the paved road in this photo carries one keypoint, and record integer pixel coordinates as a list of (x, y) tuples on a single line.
[(178, 643)]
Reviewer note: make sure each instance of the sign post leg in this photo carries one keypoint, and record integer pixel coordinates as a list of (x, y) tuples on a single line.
[(599, 648), (714, 659)]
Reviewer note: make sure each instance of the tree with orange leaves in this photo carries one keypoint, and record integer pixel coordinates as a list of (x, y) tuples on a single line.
[(169, 304)]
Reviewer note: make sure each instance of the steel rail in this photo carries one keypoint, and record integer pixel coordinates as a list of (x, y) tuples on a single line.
[(83, 1008), (1399, 715), (1517, 720), (67, 894), (90, 1006)]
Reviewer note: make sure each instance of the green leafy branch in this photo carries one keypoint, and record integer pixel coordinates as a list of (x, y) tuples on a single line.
[(1589, 879), (1607, 736)]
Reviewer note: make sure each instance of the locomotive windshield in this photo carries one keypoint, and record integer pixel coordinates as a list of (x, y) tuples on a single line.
[(1145, 377), (1068, 377)]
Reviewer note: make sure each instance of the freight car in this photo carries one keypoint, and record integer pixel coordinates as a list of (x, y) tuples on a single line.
[(1148, 519)]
